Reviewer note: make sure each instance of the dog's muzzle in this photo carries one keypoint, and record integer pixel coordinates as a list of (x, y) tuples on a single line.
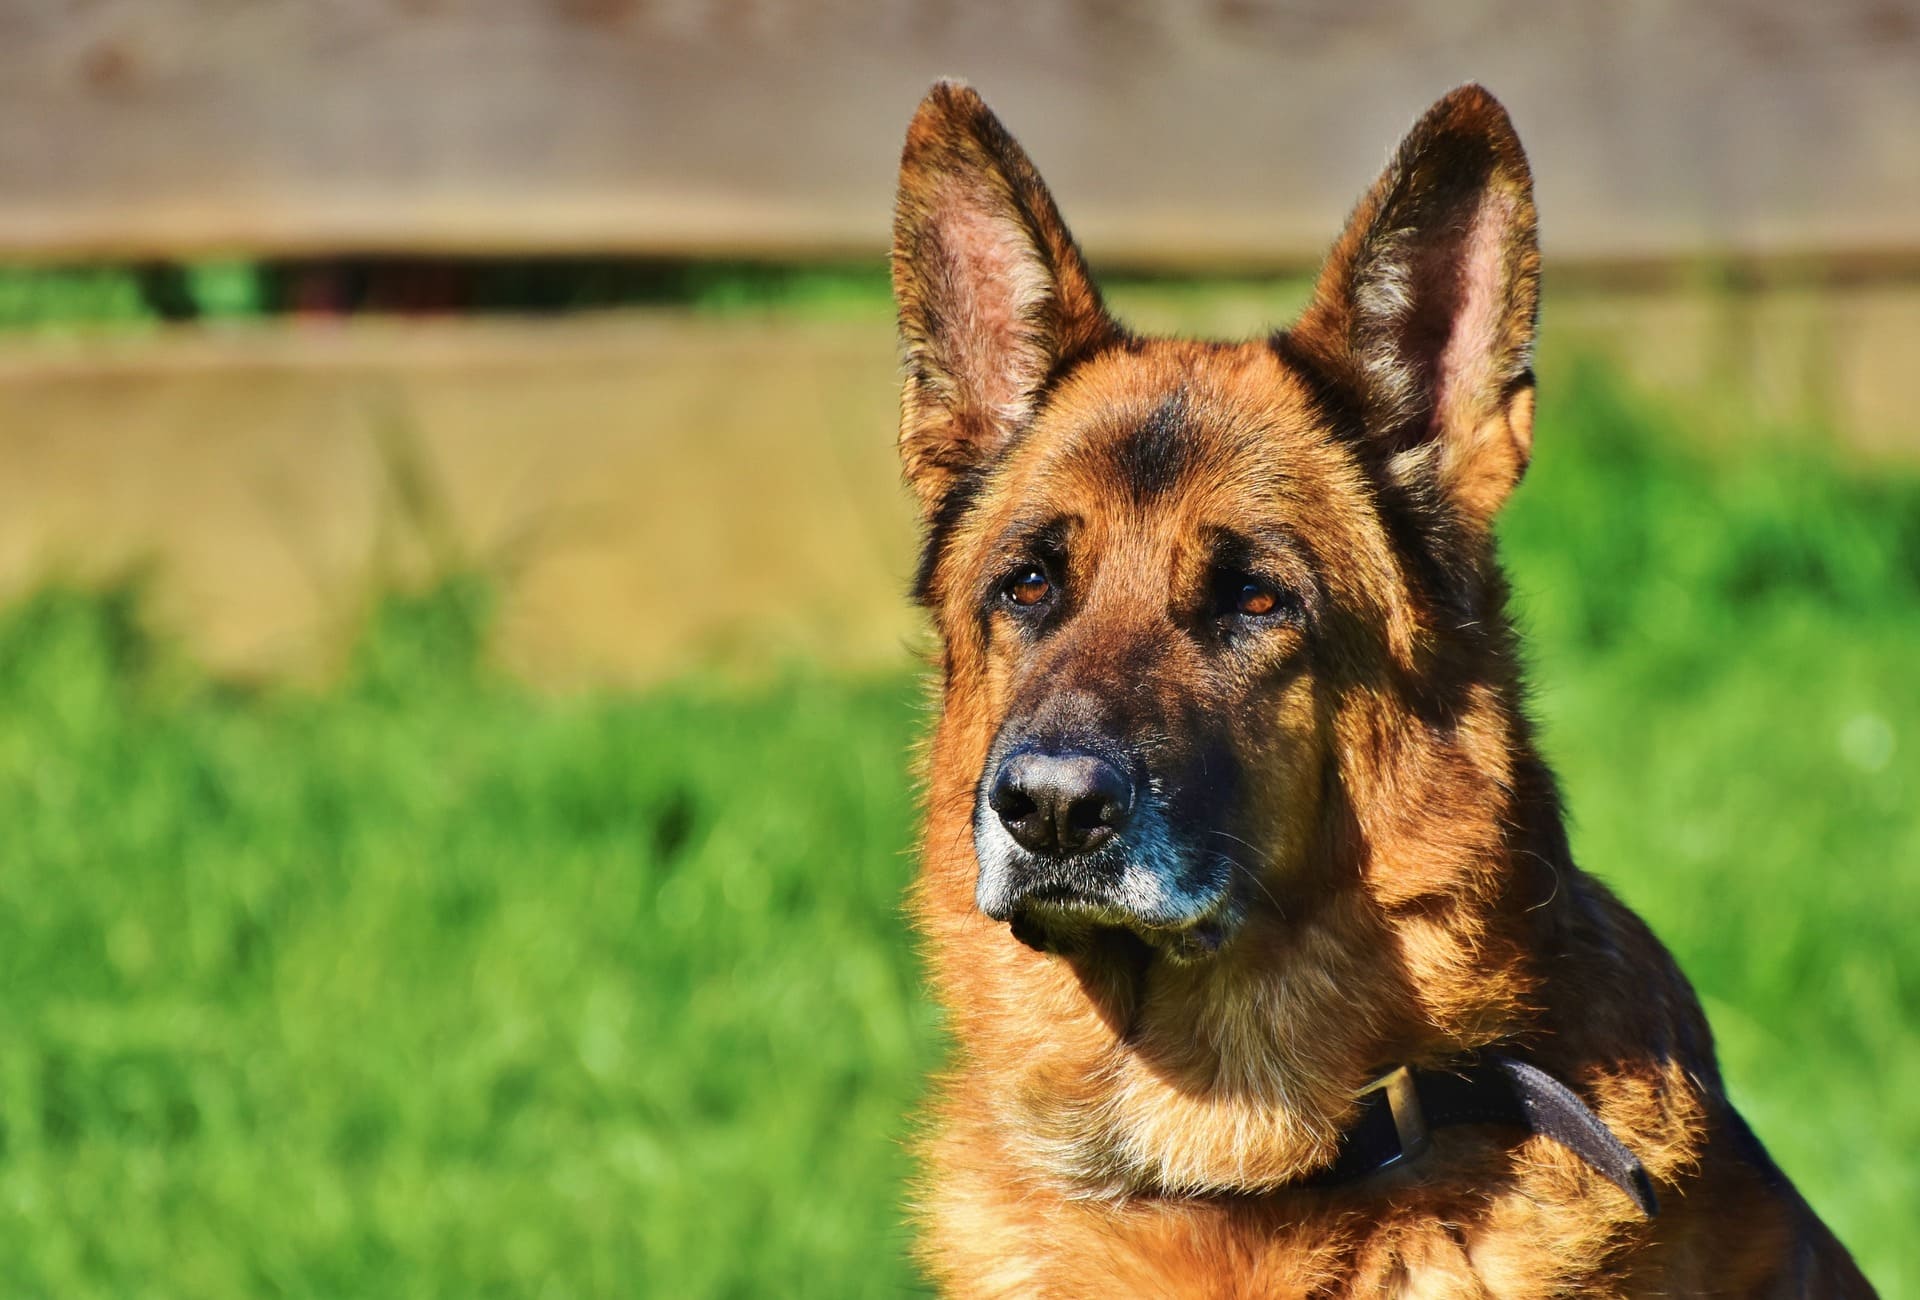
[(1070, 838)]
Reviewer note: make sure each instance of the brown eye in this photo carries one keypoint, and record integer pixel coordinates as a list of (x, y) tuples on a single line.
[(1028, 587), (1238, 594), (1256, 598)]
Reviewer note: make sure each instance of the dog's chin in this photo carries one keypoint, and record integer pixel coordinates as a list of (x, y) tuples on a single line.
[(1070, 930), (1074, 924)]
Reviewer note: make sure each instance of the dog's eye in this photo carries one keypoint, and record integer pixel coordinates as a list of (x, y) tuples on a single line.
[(1027, 587), (1256, 599), (1241, 595)]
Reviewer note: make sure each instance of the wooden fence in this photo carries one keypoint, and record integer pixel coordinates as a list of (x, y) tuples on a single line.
[(1192, 131)]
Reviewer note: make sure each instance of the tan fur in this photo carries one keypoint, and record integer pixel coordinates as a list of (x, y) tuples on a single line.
[(1404, 894)]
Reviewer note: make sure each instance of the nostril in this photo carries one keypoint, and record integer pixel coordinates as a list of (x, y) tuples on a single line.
[(1094, 813), (1007, 797), (1010, 803)]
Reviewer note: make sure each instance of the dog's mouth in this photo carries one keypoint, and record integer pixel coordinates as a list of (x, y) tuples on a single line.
[(1181, 908)]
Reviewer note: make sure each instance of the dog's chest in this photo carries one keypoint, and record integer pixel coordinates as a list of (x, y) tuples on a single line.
[(1510, 1249)]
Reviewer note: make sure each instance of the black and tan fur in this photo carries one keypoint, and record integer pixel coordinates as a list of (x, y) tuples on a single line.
[(1265, 609)]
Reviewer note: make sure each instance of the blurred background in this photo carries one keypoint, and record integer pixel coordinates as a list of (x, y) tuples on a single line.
[(457, 688)]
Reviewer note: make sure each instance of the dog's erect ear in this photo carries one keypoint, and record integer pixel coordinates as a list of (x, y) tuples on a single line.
[(1425, 308), (993, 294)]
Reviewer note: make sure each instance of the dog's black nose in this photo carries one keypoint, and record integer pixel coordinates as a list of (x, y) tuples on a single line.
[(1060, 804)]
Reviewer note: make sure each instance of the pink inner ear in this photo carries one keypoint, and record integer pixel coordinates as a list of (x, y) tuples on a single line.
[(990, 285), (1468, 374)]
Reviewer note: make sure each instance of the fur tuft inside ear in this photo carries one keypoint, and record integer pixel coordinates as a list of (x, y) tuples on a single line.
[(1426, 306), (993, 295)]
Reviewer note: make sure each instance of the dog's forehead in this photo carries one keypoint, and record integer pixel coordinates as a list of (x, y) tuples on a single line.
[(1168, 422)]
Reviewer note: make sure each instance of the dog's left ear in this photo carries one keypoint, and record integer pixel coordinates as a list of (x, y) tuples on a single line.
[(992, 292), (1425, 308)]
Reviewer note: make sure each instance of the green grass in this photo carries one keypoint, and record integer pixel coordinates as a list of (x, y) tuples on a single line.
[(111, 298), (429, 984), (70, 299)]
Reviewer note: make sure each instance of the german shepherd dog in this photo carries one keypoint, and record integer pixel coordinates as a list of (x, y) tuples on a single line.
[(1245, 887)]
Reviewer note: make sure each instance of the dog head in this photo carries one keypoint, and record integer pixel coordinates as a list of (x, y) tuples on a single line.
[(1175, 580)]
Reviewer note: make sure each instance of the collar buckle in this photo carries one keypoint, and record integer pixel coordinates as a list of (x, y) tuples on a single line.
[(1403, 1104)]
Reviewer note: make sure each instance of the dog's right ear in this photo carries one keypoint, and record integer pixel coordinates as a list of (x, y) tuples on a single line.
[(1425, 307), (992, 293)]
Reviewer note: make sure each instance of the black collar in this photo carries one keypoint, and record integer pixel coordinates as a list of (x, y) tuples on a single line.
[(1400, 1108)]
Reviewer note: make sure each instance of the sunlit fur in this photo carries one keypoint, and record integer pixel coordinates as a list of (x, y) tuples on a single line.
[(1116, 1123)]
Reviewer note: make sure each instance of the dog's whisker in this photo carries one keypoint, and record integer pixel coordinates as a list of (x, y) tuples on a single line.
[(1252, 876)]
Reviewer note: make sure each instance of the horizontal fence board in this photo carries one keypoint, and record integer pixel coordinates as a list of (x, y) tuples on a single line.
[(650, 492), (660, 491), (1192, 133)]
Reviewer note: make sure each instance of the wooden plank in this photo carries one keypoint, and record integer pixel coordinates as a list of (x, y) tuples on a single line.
[(658, 492), (651, 492), (1201, 132)]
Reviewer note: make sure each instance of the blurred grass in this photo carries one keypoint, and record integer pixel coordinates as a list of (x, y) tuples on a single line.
[(115, 298), (70, 299), (431, 984)]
